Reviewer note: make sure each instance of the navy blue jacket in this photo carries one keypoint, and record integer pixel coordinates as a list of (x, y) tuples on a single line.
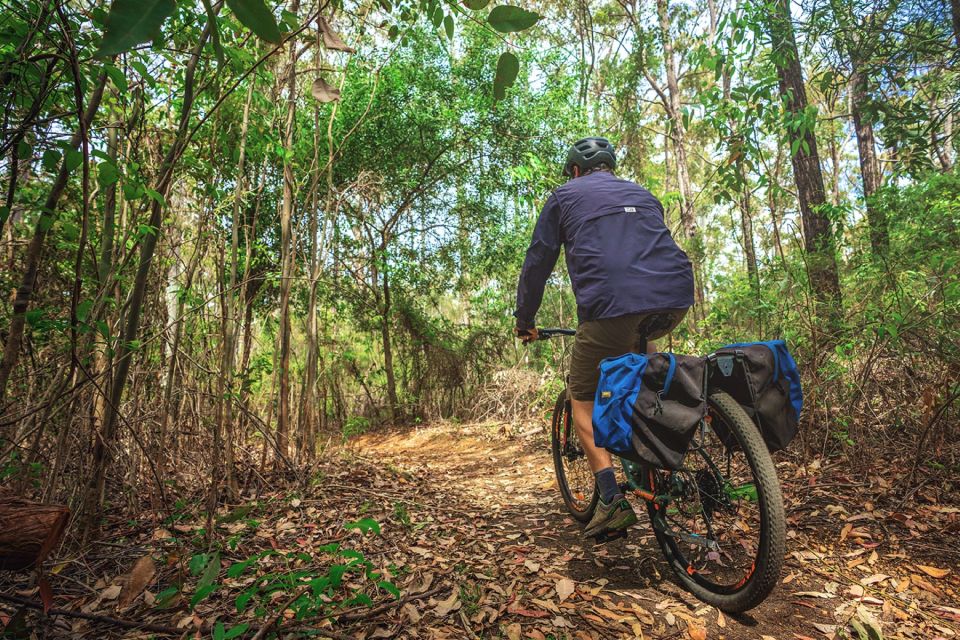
[(620, 255)]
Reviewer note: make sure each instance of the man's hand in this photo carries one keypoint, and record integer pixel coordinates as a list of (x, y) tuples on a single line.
[(526, 335)]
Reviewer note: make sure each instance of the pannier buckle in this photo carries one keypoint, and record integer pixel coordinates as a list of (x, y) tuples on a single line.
[(725, 364)]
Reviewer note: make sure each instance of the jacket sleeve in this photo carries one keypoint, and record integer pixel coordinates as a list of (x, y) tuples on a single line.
[(541, 258)]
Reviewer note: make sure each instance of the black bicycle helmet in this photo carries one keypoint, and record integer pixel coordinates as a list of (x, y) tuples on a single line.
[(588, 153)]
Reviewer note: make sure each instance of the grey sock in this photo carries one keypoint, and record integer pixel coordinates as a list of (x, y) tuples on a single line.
[(607, 484)]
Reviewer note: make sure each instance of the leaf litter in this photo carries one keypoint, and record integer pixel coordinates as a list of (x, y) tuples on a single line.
[(464, 535)]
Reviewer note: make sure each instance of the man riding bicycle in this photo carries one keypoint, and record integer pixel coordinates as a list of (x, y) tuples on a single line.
[(630, 280)]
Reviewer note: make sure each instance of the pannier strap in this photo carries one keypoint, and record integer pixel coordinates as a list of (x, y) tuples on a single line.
[(670, 371)]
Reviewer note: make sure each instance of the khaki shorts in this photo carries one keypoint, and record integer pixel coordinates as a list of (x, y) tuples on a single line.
[(611, 337)]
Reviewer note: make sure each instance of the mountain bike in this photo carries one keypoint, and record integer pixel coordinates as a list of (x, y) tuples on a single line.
[(719, 519)]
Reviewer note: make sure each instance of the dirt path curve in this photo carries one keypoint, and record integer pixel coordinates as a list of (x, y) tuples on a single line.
[(496, 529)]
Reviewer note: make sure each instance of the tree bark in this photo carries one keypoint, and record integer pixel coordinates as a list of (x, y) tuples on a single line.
[(746, 226), (387, 345), (28, 532), (286, 249), (230, 302), (125, 350), (817, 232), (869, 164), (671, 103), (955, 14)]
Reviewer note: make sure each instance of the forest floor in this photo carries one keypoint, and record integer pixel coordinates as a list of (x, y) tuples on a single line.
[(466, 521)]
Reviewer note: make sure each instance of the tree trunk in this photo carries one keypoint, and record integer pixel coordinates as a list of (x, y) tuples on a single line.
[(955, 14), (746, 226), (869, 164), (28, 532), (817, 232), (387, 346), (230, 303), (105, 441), (21, 302), (678, 139), (286, 249)]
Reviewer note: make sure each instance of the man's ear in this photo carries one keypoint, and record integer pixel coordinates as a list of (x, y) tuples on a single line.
[(576, 171)]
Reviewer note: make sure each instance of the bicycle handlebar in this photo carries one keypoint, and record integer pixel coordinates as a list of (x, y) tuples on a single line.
[(546, 334)]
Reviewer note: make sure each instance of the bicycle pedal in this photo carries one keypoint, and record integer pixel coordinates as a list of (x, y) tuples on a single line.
[(609, 536)]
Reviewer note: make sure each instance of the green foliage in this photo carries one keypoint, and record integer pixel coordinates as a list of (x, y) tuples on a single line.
[(509, 19), (364, 526), (131, 22), (257, 17), (508, 66)]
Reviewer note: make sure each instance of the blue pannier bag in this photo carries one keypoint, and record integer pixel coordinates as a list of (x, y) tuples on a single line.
[(647, 406), (763, 378)]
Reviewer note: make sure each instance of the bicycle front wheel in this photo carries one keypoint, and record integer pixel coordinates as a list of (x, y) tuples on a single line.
[(574, 476), (719, 519)]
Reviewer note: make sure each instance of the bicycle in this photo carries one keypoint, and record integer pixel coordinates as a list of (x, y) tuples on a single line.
[(719, 520)]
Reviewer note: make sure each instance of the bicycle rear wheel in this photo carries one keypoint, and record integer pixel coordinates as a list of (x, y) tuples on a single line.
[(577, 485), (719, 519)]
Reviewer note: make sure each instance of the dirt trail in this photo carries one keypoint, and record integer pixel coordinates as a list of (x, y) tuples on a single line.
[(466, 525), (498, 531)]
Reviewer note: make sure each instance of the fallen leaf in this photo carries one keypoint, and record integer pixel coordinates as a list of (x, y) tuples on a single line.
[(561, 622), (46, 593), (923, 584), (111, 592), (847, 528), (933, 572), (139, 578), (444, 607), (545, 604), (531, 566), (412, 613), (696, 632), (565, 588), (513, 631)]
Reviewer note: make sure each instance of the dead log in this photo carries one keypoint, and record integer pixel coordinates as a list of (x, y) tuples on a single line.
[(28, 532)]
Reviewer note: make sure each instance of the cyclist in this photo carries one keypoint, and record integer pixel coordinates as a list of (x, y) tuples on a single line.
[(625, 269)]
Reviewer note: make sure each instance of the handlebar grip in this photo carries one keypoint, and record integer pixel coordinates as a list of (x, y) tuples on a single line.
[(546, 334)]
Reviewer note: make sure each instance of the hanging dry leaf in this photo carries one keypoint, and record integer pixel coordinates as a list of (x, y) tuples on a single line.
[(139, 578), (565, 588), (933, 572), (331, 39), (324, 92)]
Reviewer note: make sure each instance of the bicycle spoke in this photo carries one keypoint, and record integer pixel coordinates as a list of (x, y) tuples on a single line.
[(713, 516)]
